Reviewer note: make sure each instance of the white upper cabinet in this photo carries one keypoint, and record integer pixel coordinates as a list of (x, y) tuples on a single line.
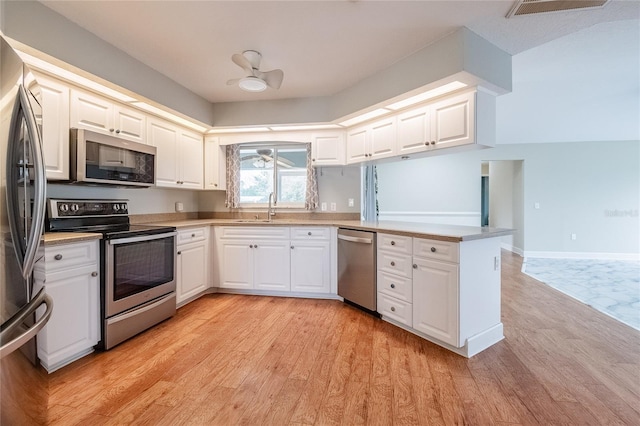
[(93, 112), (215, 159), (372, 141), (463, 119), (328, 149), (53, 96), (179, 162), (414, 130), (454, 121)]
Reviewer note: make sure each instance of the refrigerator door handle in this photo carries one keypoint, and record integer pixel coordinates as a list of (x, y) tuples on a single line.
[(15, 322), (23, 109)]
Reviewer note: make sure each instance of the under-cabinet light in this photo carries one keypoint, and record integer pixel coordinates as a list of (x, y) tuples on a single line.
[(450, 87), (169, 116), (364, 117), (304, 127), (238, 130)]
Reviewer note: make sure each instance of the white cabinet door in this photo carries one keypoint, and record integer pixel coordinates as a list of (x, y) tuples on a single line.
[(382, 140), (191, 162), (91, 112), (192, 270), (357, 145), (98, 114), (214, 164), (435, 300), (328, 149), (235, 264), (414, 131), (73, 328), (164, 137), (271, 269), (54, 99), (454, 121), (129, 124), (311, 266)]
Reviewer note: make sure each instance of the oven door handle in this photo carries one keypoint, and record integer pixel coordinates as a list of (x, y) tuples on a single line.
[(139, 238)]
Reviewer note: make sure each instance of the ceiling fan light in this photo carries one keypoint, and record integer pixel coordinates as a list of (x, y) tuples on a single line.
[(252, 84)]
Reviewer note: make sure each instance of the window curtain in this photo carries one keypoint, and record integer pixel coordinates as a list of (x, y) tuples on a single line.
[(233, 176), (311, 194), (369, 193)]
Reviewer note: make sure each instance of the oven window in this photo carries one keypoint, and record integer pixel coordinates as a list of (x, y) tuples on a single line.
[(142, 265)]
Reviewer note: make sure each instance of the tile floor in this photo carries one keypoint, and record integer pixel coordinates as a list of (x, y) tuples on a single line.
[(610, 286)]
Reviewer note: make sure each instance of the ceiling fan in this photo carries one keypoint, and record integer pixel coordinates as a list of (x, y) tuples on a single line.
[(264, 159), (256, 80)]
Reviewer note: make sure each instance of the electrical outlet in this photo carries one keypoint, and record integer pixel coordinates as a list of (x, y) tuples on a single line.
[(179, 206), (536, 205), (333, 207), (573, 236), (323, 207), (350, 202)]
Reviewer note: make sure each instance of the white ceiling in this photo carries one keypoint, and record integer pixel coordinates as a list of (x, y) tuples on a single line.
[(323, 47)]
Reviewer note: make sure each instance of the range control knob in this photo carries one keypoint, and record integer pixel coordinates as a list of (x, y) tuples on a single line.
[(63, 207), (75, 207), (123, 207), (116, 207)]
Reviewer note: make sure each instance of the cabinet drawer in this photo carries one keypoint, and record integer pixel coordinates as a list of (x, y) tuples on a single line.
[(394, 243), (191, 235), (67, 256), (395, 263), (437, 250), (310, 233), (270, 232), (395, 309), (395, 286)]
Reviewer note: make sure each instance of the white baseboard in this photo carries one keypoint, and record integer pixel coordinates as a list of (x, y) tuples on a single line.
[(581, 255), (443, 218), (513, 249)]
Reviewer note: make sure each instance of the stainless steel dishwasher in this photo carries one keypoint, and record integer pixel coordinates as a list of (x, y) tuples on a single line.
[(357, 267)]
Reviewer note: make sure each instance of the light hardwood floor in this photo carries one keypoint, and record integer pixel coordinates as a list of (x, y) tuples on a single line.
[(229, 359)]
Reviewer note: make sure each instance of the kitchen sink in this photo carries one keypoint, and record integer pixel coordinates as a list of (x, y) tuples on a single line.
[(252, 221)]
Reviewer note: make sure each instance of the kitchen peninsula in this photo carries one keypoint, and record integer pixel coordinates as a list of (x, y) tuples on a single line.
[(440, 282)]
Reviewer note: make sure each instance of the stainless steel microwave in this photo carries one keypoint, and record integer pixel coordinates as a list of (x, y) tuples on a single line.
[(104, 159)]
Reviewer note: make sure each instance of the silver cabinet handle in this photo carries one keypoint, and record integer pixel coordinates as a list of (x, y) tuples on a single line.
[(393, 309), (94, 274), (255, 246), (415, 266), (117, 130), (393, 286), (291, 247), (393, 263), (179, 252), (309, 233), (393, 243), (58, 257), (250, 245), (193, 235), (433, 249)]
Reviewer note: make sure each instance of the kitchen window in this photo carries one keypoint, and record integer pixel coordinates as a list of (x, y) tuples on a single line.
[(281, 169)]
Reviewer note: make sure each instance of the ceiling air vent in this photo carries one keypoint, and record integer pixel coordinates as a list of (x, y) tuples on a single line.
[(532, 7)]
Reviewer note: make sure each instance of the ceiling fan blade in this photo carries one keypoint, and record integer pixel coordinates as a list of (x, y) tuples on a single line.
[(243, 63), (284, 164), (273, 78), (233, 81)]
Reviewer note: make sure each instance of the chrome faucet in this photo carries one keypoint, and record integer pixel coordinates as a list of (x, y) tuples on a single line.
[(272, 203)]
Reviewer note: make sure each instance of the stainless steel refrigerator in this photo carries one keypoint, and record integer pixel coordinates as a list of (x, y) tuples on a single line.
[(24, 386)]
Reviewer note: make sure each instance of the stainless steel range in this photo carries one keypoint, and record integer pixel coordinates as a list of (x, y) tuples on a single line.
[(137, 264)]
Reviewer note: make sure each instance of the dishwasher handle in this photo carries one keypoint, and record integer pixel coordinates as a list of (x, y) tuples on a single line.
[(355, 239)]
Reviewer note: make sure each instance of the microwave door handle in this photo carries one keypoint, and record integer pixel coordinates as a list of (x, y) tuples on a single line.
[(15, 322), (39, 186)]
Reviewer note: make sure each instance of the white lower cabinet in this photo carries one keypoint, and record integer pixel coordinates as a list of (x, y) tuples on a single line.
[(435, 300), (70, 275), (192, 263), (451, 295), (310, 260), (253, 258), (274, 258)]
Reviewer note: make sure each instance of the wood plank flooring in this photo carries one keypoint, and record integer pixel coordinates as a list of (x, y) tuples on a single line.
[(230, 359)]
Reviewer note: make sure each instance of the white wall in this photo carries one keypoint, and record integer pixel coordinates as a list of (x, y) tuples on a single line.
[(582, 87), (577, 185)]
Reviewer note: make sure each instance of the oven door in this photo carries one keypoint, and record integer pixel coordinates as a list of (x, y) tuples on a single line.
[(138, 269)]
